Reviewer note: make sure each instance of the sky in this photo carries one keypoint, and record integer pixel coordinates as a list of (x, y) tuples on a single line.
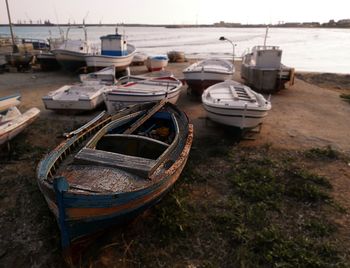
[(175, 11)]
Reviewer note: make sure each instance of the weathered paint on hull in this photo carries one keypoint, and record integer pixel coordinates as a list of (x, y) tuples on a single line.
[(85, 215)]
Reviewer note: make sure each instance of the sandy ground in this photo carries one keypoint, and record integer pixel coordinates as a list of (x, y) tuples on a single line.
[(303, 116), (308, 114)]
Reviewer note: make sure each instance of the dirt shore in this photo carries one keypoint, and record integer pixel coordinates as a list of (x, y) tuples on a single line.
[(307, 115)]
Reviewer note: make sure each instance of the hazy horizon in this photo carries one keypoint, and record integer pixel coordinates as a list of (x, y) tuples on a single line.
[(173, 12)]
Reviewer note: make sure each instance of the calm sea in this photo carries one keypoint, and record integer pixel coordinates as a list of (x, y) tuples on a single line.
[(318, 50)]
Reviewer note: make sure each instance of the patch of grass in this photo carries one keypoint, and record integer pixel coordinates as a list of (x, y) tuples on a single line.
[(272, 247), (307, 187), (319, 227), (326, 153), (263, 210)]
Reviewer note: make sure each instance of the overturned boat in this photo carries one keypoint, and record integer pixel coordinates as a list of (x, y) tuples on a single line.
[(234, 104), (113, 168)]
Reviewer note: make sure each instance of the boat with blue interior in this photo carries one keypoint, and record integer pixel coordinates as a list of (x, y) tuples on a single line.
[(113, 168)]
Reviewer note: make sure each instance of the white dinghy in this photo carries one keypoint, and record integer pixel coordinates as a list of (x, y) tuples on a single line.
[(234, 104), (135, 90), (14, 122), (84, 96)]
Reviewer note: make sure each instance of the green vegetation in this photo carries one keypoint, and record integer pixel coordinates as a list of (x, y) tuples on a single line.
[(232, 207), (239, 208), (326, 153)]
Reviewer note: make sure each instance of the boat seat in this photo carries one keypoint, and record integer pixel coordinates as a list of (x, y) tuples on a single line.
[(138, 165)]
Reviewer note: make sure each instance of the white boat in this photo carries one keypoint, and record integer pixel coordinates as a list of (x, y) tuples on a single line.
[(84, 96), (114, 51), (205, 73), (9, 101), (262, 69), (134, 91), (156, 63), (234, 104), (71, 54), (14, 122)]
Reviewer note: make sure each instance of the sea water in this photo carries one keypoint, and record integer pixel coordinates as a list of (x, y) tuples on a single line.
[(305, 49)]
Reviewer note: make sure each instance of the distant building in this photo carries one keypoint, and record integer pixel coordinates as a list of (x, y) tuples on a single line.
[(226, 24), (343, 22), (310, 24)]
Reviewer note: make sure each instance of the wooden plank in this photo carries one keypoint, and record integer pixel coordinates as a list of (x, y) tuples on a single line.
[(138, 165), (145, 117)]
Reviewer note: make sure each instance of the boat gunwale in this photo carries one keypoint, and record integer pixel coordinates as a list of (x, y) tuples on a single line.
[(49, 162)]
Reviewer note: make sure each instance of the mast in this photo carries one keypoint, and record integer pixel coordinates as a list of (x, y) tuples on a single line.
[(267, 30), (14, 47)]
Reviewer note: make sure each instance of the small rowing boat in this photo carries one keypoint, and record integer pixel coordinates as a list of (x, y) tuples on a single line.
[(113, 168), (234, 104)]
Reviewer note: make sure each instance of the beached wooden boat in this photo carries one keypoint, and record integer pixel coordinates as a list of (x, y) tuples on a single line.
[(84, 96), (135, 89), (9, 101), (156, 63), (114, 51), (14, 122), (234, 104), (205, 73), (262, 69), (93, 182)]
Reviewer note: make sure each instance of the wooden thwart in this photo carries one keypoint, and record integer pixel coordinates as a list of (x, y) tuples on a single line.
[(138, 165)]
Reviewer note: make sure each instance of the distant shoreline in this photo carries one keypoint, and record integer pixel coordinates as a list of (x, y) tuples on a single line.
[(175, 26)]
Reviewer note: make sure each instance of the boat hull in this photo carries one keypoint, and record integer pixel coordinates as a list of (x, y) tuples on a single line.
[(267, 80), (99, 61), (80, 105), (86, 215), (154, 65), (70, 60), (10, 130), (116, 102), (199, 81), (240, 118), (82, 213), (119, 62), (47, 61)]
